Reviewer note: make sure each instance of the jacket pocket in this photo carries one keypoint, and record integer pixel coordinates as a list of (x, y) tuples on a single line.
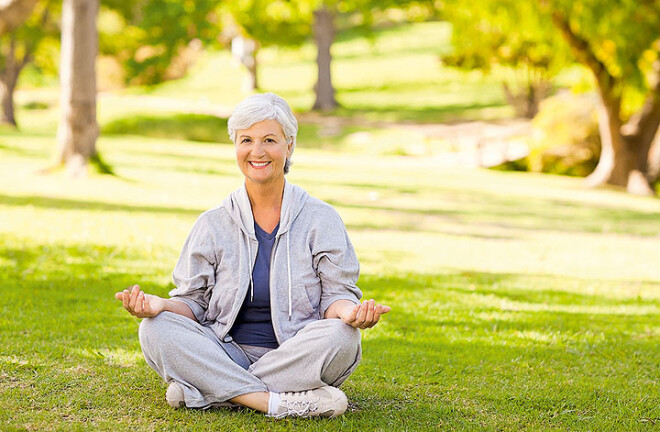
[(304, 301)]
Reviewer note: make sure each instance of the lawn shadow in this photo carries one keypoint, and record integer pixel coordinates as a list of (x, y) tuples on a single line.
[(533, 214), (70, 204), (188, 127)]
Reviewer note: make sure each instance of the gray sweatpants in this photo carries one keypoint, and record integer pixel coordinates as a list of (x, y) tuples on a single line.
[(325, 352)]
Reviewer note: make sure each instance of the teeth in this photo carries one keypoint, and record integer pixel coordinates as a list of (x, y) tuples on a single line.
[(259, 164)]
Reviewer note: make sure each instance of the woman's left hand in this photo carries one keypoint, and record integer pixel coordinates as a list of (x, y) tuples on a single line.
[(364, 315)]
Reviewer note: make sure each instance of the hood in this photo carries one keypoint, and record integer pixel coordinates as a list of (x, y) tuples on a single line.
[(240, 210)]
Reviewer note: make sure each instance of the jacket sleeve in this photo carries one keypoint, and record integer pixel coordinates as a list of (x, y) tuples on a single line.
[(336, 263), (194, 273)]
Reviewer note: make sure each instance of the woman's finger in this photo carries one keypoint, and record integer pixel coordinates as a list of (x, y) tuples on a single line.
[(376, 314), (139, 304), (135, 292), (146, 304), (369, 315), (126, 299)]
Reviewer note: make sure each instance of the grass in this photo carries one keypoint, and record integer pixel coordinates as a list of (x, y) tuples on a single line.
[(521, 301)]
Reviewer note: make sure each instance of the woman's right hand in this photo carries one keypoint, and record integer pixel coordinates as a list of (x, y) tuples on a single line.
[(139, 304)]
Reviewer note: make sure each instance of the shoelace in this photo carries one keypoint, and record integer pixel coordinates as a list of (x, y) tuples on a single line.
[(299, 407)]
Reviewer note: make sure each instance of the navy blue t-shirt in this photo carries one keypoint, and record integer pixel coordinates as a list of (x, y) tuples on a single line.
[(254, 325)]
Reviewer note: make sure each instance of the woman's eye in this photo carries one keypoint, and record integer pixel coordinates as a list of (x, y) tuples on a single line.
[(270, 140), (245, 140)]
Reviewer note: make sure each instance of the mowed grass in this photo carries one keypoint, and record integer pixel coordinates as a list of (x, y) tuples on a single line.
[(519, 301)]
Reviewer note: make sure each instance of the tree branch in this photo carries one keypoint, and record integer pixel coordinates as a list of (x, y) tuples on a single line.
[(13, 13), (582, 50)]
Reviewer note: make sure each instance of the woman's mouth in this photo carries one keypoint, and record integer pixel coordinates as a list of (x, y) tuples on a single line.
[(259, 164)]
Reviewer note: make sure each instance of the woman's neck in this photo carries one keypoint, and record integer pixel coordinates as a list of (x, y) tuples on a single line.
[(266, 202)]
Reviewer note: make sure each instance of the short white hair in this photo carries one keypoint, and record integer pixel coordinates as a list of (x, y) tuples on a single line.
[(260, 107)]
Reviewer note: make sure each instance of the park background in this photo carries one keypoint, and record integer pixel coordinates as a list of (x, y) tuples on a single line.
[(455, 140)]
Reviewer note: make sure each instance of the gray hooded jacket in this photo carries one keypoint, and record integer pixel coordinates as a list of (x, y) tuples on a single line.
[(313, 263)]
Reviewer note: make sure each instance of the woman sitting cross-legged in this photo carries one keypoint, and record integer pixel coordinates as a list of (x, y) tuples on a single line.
[(266, 312)]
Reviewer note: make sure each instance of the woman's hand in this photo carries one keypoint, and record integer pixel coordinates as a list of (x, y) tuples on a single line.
[(139, 304), (362, 316)]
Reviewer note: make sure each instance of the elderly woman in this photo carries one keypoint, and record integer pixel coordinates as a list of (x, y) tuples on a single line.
[(265, 313)]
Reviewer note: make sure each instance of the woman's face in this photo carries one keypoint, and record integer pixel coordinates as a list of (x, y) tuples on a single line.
[(261, 152)]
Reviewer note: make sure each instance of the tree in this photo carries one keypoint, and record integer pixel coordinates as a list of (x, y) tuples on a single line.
[(78, 129), (511, 34), (13, 13), (17, 49), (622, 50)]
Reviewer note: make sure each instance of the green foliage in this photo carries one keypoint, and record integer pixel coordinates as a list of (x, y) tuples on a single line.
[(148, 36), (290, 22), (504, 32), (510, 34), (273, 22), (624, 39)]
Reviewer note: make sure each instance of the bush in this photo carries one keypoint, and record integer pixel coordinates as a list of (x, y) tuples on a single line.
[(565, 138)]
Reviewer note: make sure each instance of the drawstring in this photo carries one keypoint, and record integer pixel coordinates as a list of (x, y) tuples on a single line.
[(288, 265), (251, 281)]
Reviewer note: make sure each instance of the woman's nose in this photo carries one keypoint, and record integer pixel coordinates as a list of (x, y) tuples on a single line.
[(258, 148)]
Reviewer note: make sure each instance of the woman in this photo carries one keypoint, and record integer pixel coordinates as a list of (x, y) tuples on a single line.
[(265, 313)]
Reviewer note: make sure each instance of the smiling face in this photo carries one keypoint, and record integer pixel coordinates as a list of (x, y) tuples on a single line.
[(261, 152)]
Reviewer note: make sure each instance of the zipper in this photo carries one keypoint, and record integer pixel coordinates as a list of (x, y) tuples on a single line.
[(273, 310), (242, 295)]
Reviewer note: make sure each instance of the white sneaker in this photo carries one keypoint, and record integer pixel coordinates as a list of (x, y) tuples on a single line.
[(321, 402), (174, 396)]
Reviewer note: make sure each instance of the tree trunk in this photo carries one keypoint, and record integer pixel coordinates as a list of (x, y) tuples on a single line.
[(8, 78), (623, 160), (7, 91), (654, 159), (78, 129), (252, 69), (324, 35), (526, 100), (13, 13)]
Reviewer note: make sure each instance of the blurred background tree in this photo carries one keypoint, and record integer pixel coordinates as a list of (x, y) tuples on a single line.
[(510, 35), (18, 48), (78, 129), (622, 50)]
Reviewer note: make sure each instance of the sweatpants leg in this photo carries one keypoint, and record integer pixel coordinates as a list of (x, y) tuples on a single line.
[(325, 352), (182, 350)]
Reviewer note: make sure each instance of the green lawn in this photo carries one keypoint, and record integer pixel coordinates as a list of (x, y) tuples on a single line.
[(520, 301)]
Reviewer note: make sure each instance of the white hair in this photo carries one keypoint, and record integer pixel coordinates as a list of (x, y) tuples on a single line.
[(260, 107)]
